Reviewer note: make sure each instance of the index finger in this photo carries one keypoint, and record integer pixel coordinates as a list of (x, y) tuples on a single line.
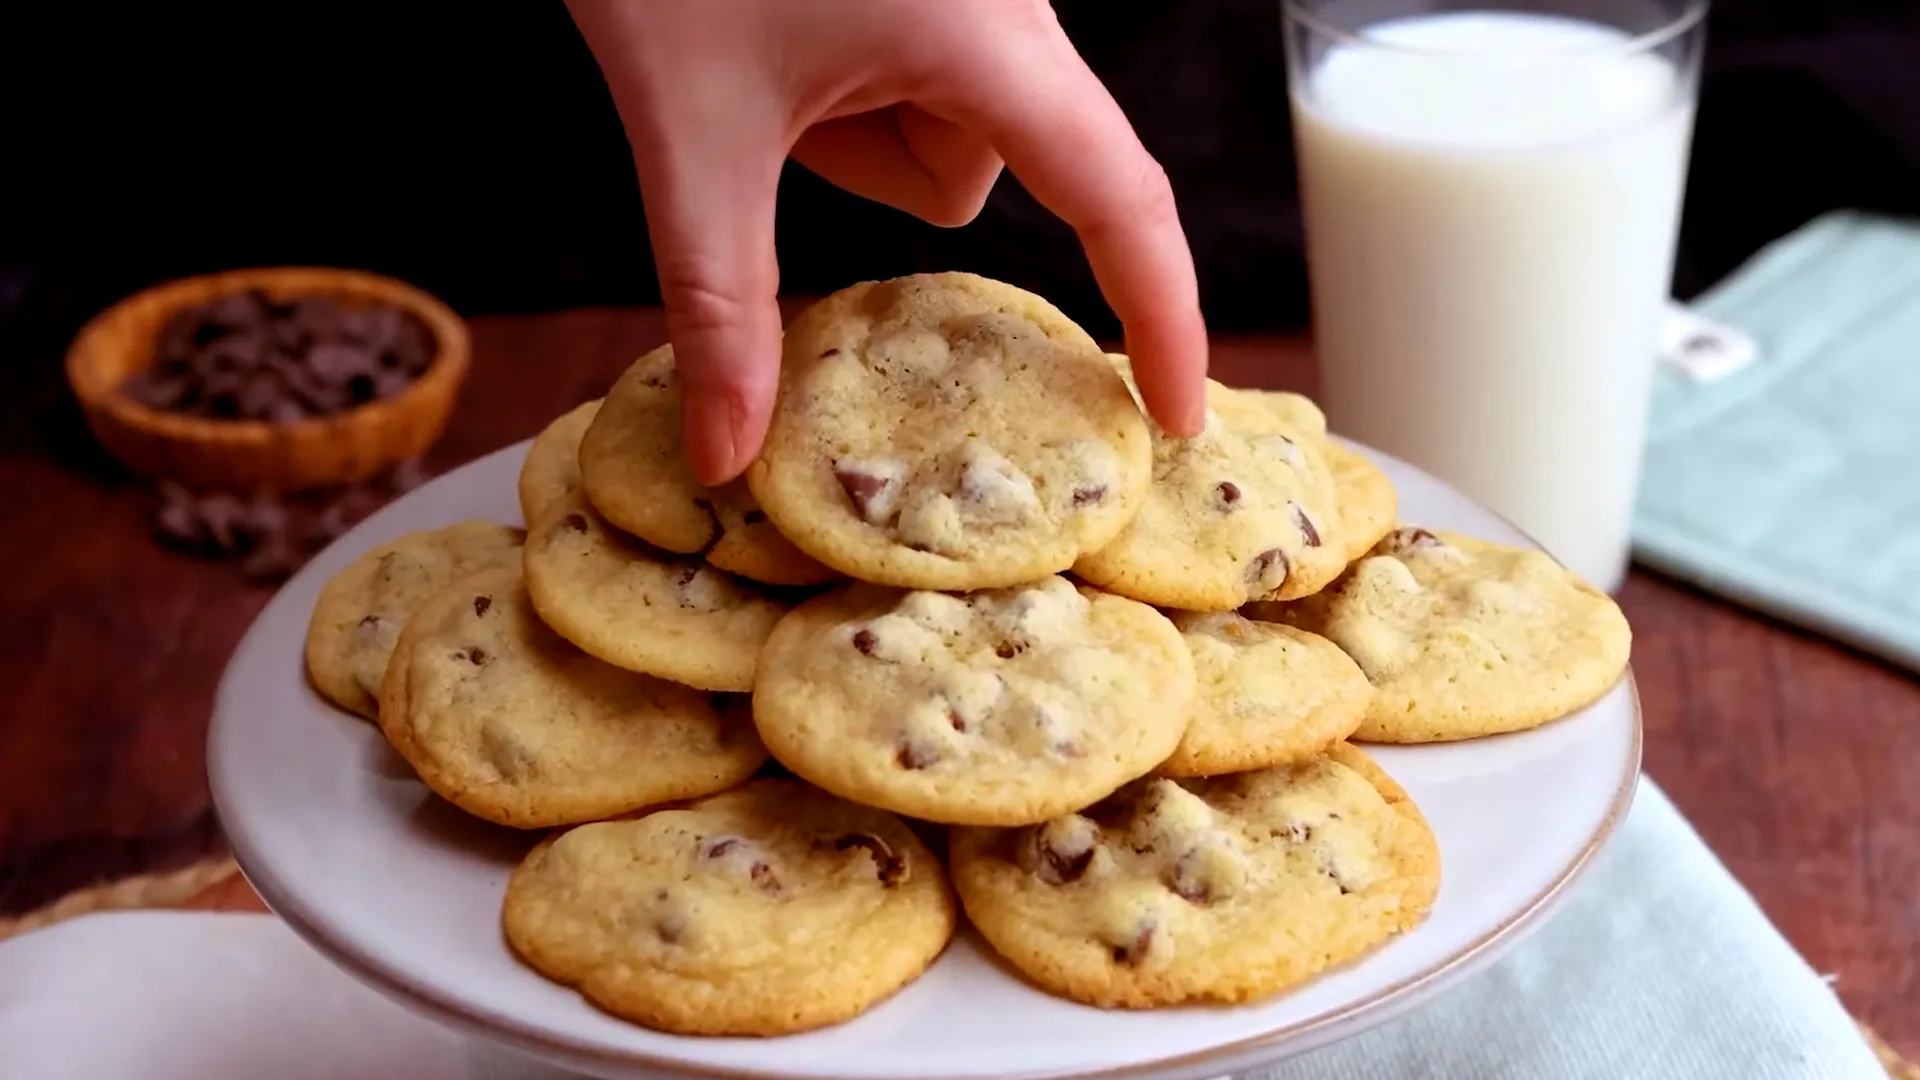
[(1068, 142)]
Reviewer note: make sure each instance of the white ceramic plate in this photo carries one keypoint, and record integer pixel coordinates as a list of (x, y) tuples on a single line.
[(404, 892)]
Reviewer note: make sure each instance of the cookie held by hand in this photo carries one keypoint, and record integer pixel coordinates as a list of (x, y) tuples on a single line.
[(944, 431), (1245, 510), (636, 475)]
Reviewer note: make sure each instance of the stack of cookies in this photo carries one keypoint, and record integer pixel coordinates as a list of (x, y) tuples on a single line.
[(968, 599)]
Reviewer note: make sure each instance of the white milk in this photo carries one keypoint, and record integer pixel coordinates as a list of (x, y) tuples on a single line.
[(1490, 243)]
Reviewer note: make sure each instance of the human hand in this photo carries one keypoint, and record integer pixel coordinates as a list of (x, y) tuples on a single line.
[(912, 103)]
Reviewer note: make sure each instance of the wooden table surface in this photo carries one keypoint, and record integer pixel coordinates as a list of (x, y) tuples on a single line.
[(1796, 759)]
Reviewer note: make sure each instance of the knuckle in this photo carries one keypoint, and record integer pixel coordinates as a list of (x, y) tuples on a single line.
[(1151, 198), (697, 302), (956, 206)]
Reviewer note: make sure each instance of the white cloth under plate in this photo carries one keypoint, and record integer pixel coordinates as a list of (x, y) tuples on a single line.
[(1661, 966)]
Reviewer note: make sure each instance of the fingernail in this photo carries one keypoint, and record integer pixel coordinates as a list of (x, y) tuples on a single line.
[(711, 430)]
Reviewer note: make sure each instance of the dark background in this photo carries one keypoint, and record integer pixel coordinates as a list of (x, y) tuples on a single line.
[(472, 149)]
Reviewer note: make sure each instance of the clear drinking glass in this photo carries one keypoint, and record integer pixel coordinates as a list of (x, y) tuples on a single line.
[(1491, 193)]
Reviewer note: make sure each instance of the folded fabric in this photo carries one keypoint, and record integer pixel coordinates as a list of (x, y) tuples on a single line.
[(1789, 485), (1660, 966)]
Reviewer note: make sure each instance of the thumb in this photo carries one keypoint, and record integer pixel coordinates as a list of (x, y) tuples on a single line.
[(710, 217), (708, 151)]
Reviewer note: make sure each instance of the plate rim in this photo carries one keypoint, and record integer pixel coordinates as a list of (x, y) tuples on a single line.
[(1314, 1032)]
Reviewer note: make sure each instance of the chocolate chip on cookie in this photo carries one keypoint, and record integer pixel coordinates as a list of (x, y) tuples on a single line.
[(891, 868), (1059, 852), (871, 485)]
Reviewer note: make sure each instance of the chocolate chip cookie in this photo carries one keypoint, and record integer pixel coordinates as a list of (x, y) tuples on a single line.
[(1222, 890), (1295, 410), (360, 612), (1268, 695), (1369, 505), (944, 431), (503, 718), (1246, 510), (768, 910), (636, 474), (1464, 637), (642, 609), (1002, 707), (551, 468)]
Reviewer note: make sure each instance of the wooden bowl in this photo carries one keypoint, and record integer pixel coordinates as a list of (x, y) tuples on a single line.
[(257, 455)]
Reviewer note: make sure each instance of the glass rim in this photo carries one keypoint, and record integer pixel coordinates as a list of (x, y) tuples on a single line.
[(1684, 21)]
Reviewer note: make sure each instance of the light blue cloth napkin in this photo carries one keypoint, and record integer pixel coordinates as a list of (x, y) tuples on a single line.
[(1793, 485), (1659, 967)]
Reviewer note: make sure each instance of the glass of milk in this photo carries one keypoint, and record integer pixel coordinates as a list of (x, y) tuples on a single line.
[(1491, 193)]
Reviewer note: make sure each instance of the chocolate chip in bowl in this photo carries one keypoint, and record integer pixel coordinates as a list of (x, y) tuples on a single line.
[(247, 356), (285, 379)]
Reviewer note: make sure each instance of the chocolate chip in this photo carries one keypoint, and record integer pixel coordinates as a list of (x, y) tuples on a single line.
[(388, 383), (1298, 832), (360, 389), (1402, 541), (763, 876), (1007, 650), (339, 362), (865, 641), (481, 604), (1226, 495), (915, 756), (1268, 570), (1135, 951), (1332, 870), (246, 357), (1305, 525), (270, 537), (958, 722), (740, 851), (871, 493), (1089, 495), (892, 868), (1057, 867), (1185, 880)]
